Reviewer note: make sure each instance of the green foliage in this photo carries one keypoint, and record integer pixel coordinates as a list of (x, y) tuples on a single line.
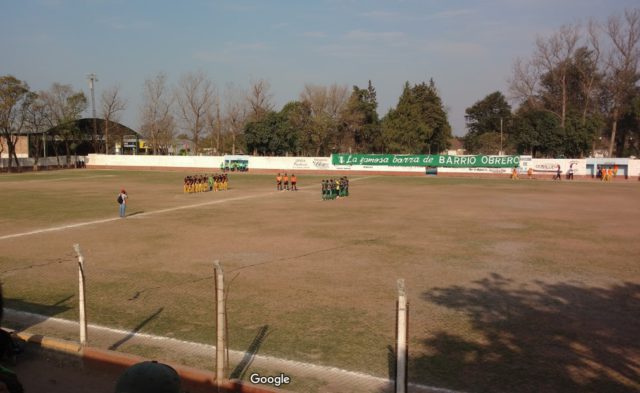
[(629, 128), (485, 116), (273, 135), (418, 124), (538, 132), (580, 134), (360, 120), (298, 116), (534, 130), (487, 143)]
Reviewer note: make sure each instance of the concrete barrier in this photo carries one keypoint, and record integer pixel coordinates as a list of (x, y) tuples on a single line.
[(192, 378)]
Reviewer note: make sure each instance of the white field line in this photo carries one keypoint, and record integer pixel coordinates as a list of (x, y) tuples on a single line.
[(58, 179), (237, 354), (171, 209), (105, 220)]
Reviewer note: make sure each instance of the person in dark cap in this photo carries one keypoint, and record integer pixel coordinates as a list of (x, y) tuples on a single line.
[(149, 377)]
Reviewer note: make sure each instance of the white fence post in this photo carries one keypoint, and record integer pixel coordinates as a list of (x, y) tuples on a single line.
[(401, 344), (220, 323), (81, 298)]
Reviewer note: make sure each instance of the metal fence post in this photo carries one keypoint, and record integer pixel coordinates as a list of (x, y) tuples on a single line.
[(81, 298), (220, 323), (401, 335)]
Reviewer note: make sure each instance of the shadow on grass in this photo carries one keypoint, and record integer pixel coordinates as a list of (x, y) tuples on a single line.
[(37, 312), (136, 329), (540, 337), (242, 367), (48, 310)]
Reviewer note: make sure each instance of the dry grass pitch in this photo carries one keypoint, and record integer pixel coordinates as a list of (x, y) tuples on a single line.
[(514, 286)]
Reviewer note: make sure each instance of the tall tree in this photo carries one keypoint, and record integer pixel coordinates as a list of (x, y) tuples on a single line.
[(587, 62), (259, 99), (564, 77), (112, 105), (273, 135), (157, 121), (235, 114), (195, 97), (13, 102), (37, 120), (214, 124), (66, 107), (523, 84), (553, 56), (487, 116), (537, 132), (419, 123), (622, 61), (326, 104), (298, 116), (360, 120)]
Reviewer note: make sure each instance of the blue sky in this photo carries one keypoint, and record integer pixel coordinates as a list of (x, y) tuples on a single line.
[(467, 47)]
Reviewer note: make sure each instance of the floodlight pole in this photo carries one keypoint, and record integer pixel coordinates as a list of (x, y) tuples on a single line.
[(92, 79)]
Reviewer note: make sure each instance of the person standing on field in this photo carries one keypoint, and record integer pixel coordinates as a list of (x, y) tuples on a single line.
[(294, 182), (122, 200), (570, 172), (558, 175)]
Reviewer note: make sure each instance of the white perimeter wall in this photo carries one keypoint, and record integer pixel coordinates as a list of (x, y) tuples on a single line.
[(324, 164)]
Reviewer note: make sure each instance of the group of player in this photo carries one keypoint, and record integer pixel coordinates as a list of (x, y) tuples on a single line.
[(335, 188), (607, 173), (204, 183), (282, 182)]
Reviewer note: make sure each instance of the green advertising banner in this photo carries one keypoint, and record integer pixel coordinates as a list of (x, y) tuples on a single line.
[(433, 160)]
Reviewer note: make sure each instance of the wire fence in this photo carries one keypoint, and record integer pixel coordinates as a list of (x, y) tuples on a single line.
[(172, 316)]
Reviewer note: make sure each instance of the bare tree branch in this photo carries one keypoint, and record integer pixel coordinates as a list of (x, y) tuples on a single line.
[(195, 96), (157, 120), (112, 105)]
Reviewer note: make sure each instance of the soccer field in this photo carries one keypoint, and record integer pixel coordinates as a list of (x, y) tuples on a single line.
[(513, 285)]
